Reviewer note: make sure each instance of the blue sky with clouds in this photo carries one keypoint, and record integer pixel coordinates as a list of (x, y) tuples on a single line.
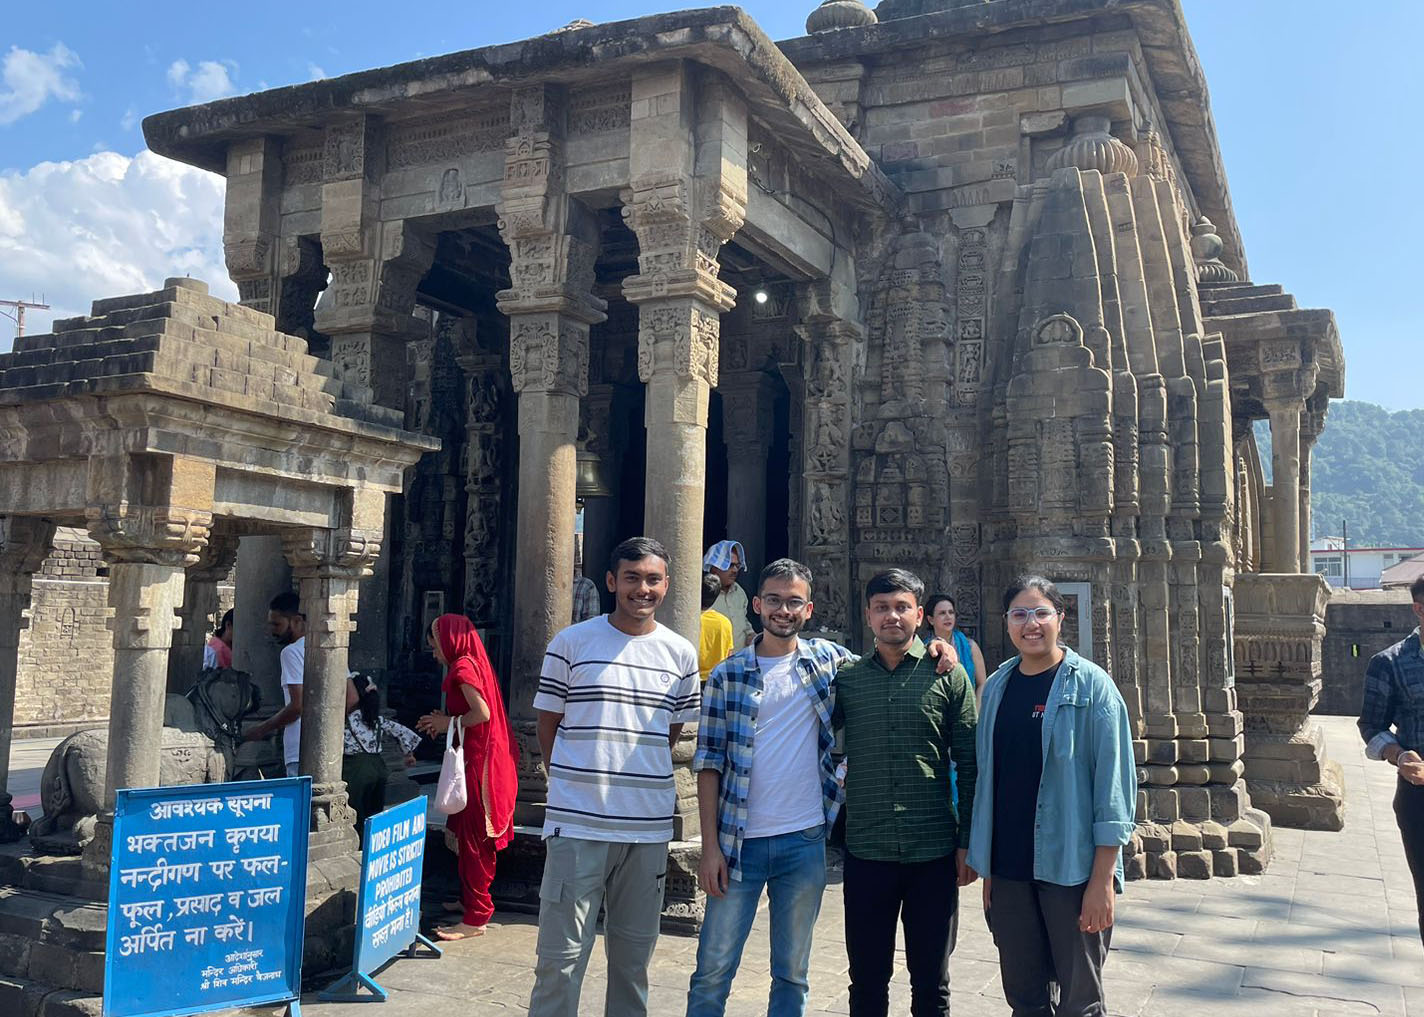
[(1312, 101)]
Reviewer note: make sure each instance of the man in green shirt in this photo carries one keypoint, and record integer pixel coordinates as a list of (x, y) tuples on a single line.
[(905, 842)]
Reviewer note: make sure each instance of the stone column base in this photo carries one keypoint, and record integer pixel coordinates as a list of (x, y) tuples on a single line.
[(1291, 778), (521, 870), (332, 887), (1196, 832)]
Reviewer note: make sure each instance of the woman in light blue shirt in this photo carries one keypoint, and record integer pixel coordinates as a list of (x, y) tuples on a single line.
[(1055, 803)]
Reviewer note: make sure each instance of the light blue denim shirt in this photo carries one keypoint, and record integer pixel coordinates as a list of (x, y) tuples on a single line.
[(1087, 796)]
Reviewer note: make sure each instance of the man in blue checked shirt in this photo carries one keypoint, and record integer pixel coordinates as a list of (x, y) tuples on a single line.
[(1392, 724), (769, 808)]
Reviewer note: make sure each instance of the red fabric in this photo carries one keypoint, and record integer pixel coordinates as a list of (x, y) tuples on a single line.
[(491, 755), (223, 651), (476, 866)]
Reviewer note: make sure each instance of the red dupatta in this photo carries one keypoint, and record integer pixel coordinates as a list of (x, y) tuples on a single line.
[(497, 773)]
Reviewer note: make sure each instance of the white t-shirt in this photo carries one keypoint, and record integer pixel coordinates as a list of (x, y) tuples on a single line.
[(784, 794), (611, 773), (294, 662)]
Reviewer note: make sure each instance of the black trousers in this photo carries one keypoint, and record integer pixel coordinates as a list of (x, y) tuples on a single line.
[(1409, 814), (1048, 967), (922, 896)]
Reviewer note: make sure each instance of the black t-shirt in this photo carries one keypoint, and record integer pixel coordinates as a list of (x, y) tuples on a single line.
[(1018, 767)]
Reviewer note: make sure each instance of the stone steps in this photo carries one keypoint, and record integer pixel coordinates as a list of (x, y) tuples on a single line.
[(51, 954)]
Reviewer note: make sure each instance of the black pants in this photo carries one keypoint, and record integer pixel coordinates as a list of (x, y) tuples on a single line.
[(924, 897), (1409, 814), (1048, 967), (365, 774)]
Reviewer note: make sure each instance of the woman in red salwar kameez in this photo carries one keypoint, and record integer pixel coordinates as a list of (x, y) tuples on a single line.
[(471, 693)]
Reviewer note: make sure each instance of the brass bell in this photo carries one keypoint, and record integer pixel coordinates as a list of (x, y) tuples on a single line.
[(589, 480)]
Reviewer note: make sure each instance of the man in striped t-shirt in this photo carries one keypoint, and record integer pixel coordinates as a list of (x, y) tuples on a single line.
[(613, 696)]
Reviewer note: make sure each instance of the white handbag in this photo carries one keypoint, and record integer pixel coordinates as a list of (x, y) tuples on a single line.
[(451, 795)]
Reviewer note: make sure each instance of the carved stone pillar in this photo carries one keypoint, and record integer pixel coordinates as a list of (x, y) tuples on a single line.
[(1280, 626), (375, 266), (328, 566), (24, 543), (148, 548), (1312, 422), (200, 606), (278, 278), (687, 163), (748, 404), (486, 386), (263, 573), (825, 465), (553, 243), (1285, 485)]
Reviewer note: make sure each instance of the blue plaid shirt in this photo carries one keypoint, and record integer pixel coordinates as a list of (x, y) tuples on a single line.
[(725, 733), (1393, 707)]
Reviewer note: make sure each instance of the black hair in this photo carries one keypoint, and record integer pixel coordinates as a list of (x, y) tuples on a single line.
[(287, 603), (895, 581), (785, 568), (224, 622), (636, 549), (1416, 590), (711, 589), (936, 599), (1042, 585), (368, 700)]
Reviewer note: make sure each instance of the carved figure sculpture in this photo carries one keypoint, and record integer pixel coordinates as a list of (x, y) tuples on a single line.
[(201, 732)]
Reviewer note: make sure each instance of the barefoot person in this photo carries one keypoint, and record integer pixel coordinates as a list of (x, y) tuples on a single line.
[(486, 824), (1055, 744)]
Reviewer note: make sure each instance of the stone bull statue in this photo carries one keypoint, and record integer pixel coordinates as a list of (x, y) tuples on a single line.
[(201, 733)]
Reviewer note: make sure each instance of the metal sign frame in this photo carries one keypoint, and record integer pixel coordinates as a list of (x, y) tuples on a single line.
[(392, 864)]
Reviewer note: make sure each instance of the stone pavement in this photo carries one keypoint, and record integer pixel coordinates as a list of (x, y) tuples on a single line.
[(1329, 931)]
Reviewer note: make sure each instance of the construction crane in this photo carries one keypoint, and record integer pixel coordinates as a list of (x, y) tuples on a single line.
[(18, 314)]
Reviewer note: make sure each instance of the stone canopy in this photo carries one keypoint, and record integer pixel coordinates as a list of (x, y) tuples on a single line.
[(169, 424)]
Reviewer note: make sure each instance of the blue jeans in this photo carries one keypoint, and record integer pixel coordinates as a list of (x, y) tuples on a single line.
[(792, 867)]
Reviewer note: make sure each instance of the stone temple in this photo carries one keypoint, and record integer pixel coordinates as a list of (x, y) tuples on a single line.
[(945, 285)]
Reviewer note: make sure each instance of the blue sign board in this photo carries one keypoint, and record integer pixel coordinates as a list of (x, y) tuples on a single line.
[(207, 898), (388, 910)]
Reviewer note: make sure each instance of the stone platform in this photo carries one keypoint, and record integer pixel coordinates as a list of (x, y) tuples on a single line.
[(1328, 931)]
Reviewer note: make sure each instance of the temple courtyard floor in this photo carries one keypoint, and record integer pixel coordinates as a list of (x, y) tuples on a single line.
[(1329, 931)]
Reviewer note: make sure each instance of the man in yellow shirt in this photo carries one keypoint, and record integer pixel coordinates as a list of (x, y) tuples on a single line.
[(715, 645)]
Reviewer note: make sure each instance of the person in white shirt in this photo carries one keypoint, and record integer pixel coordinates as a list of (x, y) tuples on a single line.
[(288, 627), (613, 696), (727, 560)]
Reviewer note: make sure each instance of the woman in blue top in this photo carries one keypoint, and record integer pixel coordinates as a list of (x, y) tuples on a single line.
[(942, 616), (1048, 837)]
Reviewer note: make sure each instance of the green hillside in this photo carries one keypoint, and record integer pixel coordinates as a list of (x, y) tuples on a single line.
[(1368, 470)]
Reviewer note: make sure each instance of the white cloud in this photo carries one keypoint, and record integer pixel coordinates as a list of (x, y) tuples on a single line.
[(105, 226), (28, 80), (129, 120), (315, 73), (211, 79), (74, 115)]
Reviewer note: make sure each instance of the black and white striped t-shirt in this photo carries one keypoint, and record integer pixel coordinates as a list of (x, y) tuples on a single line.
[(611, 774)]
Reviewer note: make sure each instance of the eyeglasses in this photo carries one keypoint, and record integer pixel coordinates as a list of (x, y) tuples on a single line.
[(774, 603), (1021, 615)]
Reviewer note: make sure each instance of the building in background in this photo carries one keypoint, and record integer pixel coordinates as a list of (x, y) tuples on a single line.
[(1358, 568)]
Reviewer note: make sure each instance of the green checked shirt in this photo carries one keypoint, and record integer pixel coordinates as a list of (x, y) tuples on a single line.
[(902, 728)]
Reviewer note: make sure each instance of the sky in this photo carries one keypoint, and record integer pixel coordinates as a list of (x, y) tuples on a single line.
[(1312, 101)]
